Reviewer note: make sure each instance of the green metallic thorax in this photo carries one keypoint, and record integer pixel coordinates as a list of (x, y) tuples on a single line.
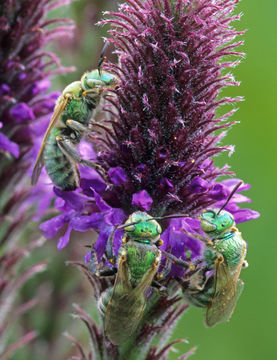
[(77, 107), (226, 238), (140, 248), (140, 258), (231, 246)]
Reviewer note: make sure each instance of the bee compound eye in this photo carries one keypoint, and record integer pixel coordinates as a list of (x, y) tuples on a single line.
[(90, 82)]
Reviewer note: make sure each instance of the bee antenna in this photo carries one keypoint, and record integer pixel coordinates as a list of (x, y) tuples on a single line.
[(152, 218), (102, 58), (173, 216), (230, 196)]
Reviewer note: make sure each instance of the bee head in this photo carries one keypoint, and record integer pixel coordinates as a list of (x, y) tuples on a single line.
[(141, 228), (214, 223), (96, 79)]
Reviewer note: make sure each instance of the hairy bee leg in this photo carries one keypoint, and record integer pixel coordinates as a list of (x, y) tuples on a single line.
[(166, 270), (66, 146), (204, 239), (107, 272), (109, 247), (75, 125), (93, 266), (180, 262)]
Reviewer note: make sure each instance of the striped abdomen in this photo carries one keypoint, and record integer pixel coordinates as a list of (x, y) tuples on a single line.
[(62, 170)]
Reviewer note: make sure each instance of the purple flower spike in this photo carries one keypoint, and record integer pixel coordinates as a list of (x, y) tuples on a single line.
[(164, 131)]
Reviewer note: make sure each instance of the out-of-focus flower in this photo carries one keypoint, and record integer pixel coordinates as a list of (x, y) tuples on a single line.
[(25, 110)]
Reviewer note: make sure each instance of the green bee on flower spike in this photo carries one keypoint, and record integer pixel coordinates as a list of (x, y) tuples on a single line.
[(69, 122), (137, 265), (224, 253)]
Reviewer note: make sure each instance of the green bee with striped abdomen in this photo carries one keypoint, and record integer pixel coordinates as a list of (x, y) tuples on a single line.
[(224, 253), (138, 262), (69, 122)]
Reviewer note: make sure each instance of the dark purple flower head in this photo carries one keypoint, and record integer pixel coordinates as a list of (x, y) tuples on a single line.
[(172, 55), (164, 132)]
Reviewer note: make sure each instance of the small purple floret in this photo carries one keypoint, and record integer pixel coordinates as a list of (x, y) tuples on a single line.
[(142, 200), (21, 112)]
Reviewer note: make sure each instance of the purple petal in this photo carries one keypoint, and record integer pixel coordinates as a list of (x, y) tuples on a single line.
[(166, 185), (101, 242), (86, 151), (39, 87), (4, 89), (73, 199), (142, 200), (114, 217), (87, 257), (8, 145), (117, 175), (175, 238), (84, 223), (117, 241), (198, 185), (219, 192), (101, 204), (243, 215), (52, 226), (93, 182), (21, 112), (63, 240), (231, 183)]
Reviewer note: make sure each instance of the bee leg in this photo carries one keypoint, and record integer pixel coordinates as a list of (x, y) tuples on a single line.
[(162, 289), (109, 247), (204, 239), (177, 261), (75, 125), (106, 272), (183, 283), (66, 146), (93, 266), (166, 270)]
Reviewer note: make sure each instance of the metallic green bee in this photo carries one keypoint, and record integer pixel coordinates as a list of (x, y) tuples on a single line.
[(138, 262), (69, 122), (224, 254)]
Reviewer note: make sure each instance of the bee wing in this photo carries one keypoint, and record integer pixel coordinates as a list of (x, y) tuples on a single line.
[(59, 108), (227, 290), (127, 304)]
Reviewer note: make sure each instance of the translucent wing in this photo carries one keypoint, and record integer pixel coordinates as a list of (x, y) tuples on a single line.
[(227, 289), (127, 304), (55, 117)]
